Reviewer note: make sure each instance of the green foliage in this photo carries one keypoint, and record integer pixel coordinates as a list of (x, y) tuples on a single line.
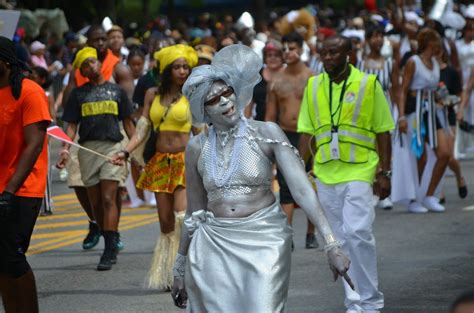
[(197, 3), (139, 10)]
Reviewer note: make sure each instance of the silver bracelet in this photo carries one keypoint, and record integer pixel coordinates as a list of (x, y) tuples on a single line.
[(179, 265), (332, 245), (331, 242)]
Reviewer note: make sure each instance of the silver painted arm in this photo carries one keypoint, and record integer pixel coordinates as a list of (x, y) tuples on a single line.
[(195, 193), (302, 191), (295, 176), (197, 200)]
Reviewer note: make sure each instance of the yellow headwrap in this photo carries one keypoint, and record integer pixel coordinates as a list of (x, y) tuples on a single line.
[(83, 55), (168, 55)]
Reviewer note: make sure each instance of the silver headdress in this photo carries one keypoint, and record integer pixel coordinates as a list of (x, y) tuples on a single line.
[(237, 65), (245, 21)]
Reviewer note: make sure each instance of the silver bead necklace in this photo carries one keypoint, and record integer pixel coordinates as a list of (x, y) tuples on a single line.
[(225, 175)]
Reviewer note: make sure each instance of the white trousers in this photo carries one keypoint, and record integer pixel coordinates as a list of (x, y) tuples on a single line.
[(349, 208)]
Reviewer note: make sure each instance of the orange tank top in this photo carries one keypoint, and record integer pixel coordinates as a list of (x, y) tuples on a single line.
[(107, 70)]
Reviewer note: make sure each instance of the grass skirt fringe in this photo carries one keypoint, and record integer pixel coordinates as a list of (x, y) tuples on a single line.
[(160, 275)]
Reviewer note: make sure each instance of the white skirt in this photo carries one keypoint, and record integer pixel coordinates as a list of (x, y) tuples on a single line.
[(405, 183)]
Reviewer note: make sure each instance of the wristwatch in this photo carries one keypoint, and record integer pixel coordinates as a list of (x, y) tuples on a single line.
[(125, 153), (387, 174)]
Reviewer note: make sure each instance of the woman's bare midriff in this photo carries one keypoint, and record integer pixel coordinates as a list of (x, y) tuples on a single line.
[(243, 205), (171, 142)]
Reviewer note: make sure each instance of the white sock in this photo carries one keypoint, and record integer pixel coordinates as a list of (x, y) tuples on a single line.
[(149, 197)]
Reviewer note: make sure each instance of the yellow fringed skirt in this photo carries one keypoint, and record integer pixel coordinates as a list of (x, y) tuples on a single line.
[(160, 275)]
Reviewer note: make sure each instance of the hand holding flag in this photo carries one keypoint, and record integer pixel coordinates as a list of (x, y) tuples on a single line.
[(57, 133)]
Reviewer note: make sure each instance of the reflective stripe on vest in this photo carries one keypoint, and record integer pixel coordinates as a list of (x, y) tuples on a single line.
[(315, 100), (365, 140), (360, 96), (355, 136)]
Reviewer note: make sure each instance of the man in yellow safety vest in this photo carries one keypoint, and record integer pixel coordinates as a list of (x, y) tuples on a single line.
[(347, 115)]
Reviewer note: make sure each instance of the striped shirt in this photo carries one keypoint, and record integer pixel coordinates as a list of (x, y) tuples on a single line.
[(384, 73), (316, 65)]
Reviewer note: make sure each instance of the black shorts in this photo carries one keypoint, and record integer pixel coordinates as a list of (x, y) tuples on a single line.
[(285, 195), (451, 116), (438, 123), (411, 108), (15, 235)]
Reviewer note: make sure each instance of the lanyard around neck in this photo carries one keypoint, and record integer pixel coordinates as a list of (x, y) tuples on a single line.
[(339, 107)]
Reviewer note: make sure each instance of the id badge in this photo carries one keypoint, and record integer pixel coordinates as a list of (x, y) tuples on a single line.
[(334, 146)]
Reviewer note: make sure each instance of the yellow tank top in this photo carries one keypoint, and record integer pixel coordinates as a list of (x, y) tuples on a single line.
[(176, 117)]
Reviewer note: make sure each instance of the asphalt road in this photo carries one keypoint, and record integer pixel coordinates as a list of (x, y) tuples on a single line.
[(425, 261)]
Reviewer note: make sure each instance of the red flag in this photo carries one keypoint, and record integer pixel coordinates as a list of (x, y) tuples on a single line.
[(58, 133)]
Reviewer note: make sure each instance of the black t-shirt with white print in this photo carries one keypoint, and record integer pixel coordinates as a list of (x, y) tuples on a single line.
[(98, 109)]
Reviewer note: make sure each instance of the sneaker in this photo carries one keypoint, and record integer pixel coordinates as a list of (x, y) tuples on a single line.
[(113, 256), (92, 238), (137, 203), (150, 199), (432, 204), (106, 261), (63, 174), (385, 204), (416, 207), (151, 203), (311, 241), (120, 244)]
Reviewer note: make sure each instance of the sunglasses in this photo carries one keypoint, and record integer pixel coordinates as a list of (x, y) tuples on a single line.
[(229, 91)]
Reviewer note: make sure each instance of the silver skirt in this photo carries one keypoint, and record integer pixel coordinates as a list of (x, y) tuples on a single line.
[(239, 264)]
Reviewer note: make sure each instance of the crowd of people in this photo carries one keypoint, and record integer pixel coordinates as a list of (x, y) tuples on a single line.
[(379, 106)]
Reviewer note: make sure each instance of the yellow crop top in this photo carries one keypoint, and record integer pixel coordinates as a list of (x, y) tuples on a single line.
[(176, 118)]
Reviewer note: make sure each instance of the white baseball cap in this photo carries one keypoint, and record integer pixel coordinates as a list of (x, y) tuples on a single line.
[(36, 45), (411, 16)]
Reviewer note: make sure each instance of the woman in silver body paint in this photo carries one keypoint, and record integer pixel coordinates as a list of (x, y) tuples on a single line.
[(235, 251)]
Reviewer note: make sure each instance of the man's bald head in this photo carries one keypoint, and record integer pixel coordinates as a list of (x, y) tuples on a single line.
[(335, 54), (344, 42)]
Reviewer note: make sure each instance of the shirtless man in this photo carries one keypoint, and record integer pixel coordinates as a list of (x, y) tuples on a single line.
[(283, 106)]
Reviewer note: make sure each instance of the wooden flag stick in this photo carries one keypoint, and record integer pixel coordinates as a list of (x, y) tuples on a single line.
[(81, 147)]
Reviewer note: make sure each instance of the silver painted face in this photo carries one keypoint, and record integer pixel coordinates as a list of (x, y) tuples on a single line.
[(220, 106)]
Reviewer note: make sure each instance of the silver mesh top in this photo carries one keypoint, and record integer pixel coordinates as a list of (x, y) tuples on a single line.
[(253, 172)]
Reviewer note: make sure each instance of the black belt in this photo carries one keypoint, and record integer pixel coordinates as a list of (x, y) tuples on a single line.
[(465, 126)]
